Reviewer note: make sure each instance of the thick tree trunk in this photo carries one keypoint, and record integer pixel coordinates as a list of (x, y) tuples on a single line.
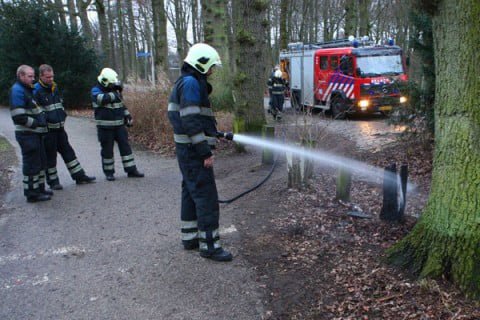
[(121, 41), (112, 58), (446, 240), (160, 35), (249, 81), (132, 41), (61, 12)]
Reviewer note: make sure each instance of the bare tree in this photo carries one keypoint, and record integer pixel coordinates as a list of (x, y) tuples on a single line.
[(160, 35), (179, 16)]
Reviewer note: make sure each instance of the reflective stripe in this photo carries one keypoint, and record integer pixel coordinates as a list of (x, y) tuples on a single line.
[(278, 85), (277, 93), (37, 129), (199, 137), (187, 236), (29, 122), (203, 234), (16, 112), (72, 163), (181, 138), (33, 111), (189, 224), (52, 170), (56, 125), (173, 107), (128, 164), (109, 123), (206, 112), (108, 167), (211, 140), (112, 96), (100, 98), (204, 246), (95, 105), (108, 160), (53, 176), (189, 111), (75, 169), (126, 112), (54, 106), (129, 157)]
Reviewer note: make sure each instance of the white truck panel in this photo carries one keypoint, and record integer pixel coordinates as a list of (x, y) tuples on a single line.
[(301, 67)]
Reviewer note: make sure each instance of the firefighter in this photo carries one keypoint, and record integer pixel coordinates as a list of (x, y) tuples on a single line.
[(48, 97), (30, 127), (195, 134), (278, 92), (112, 117), (270, 87)]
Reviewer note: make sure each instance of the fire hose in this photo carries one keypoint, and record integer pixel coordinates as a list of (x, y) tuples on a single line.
[(230, 136)]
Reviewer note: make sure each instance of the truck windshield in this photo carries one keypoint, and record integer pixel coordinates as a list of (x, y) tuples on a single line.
[(371, 66)]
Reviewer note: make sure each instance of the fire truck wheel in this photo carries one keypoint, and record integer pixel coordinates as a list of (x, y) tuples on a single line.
[(338, 108)]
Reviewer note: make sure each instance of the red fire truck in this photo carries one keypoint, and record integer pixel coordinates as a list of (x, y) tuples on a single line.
[(345, 76)]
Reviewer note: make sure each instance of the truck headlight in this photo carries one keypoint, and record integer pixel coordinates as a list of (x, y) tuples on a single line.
[(403, 99), (363, 104)]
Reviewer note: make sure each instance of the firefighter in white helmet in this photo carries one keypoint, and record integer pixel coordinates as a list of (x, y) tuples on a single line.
[(277, 95), (112, 117), (195, 133)]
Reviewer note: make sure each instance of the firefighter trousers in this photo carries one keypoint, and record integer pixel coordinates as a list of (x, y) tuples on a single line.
[(107, 138), (56, 141), (34, 161), (199, 209)]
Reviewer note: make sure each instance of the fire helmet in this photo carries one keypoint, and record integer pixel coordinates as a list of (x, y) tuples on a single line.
[(278, 74), (107, 76), (202, 57)]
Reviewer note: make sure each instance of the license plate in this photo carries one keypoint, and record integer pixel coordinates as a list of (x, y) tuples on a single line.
[(385, 108)]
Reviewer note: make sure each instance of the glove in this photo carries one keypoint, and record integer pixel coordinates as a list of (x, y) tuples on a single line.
[(225, 135), (118, 87), (128, 120)]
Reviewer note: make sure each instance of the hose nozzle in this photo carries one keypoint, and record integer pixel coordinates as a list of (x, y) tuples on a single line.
[(225, 135)]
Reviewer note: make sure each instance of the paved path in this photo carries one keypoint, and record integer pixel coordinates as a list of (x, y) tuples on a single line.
[(111, 250)]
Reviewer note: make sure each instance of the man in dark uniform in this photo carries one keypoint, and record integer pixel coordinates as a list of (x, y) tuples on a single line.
[(195, 135), (277, 95), (48, 97), (30, 127), (111, 117)]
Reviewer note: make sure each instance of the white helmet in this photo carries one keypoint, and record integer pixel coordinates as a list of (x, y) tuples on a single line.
[(107, 76), (278, 74), (202, 57)]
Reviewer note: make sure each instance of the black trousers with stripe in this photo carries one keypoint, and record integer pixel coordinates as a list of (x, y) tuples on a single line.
[(107, 138), (56, 141), (199, 191), (34, 161)]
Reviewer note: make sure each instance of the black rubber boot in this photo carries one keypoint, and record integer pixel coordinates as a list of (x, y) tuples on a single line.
[(135, 174), (56, 186), (218, 254), (85, 179), (110, 177), (38, 198), (190, 244)]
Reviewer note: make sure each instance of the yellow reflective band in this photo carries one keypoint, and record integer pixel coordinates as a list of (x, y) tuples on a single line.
[(16, 112)]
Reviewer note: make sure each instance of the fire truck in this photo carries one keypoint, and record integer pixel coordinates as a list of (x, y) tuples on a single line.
[(345, 76)]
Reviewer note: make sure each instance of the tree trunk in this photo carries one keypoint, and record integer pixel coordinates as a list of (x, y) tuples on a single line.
[(72, 15), (364, 28), (350, 18), (445, 242), (132, 41), (86, 27), (283, 24), (113, 56), (249, 81), (103, 25), (121, 41), (61, 12), (160, 35)]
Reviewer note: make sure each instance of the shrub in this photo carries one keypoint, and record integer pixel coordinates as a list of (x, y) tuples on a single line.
[(29, 35)]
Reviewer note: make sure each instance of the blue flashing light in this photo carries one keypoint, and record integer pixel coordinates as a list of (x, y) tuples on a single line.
[(391, 42), (355, 43)]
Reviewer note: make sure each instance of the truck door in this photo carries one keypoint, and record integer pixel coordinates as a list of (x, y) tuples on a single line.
[(322, 77)]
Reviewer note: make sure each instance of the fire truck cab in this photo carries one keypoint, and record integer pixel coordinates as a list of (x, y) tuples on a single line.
[(345, 76)]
